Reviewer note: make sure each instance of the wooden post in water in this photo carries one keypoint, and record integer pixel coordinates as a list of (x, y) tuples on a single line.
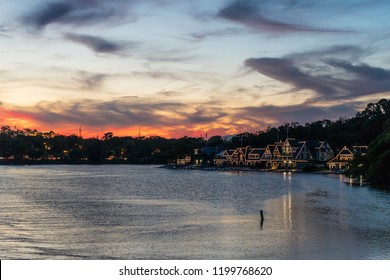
[(261, 219)]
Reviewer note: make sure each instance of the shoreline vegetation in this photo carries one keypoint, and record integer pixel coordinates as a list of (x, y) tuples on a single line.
[(369, 127)]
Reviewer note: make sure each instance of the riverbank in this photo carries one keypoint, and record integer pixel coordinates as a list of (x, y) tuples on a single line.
[(243, 169)]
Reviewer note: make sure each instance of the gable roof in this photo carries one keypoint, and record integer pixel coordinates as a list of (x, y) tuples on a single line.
[(299, 149), (344, 151), (230, 152), (257, 151), (277, 149), (314, 145), (238, 151), (294, 143), (271, 148)]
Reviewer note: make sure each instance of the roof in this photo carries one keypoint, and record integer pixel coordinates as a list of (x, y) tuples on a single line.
[(230, 152), (221, 154), (314, 145), (294, 143), (344, 151), (271, 148), (258, 151), (300, 147)]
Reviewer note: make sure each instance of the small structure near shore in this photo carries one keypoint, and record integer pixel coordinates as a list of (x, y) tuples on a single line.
[(289, 154), (341, 161)]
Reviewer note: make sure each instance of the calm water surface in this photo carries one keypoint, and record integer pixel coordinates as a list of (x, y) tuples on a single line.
[(144, 212)]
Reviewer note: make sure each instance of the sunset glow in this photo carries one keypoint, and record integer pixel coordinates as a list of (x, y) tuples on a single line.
[(187, 68)]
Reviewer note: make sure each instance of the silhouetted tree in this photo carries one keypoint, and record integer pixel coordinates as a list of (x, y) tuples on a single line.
[(379, 160), (94, 150)]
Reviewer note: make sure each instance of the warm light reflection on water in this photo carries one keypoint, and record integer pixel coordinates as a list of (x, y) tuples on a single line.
[(143, 212), (287, 209), (287, 212)]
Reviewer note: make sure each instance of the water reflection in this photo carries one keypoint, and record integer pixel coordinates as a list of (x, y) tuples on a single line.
[(287, 211), (322, 224), (132, 212), (342, 207), (287, 201), (287, 176)]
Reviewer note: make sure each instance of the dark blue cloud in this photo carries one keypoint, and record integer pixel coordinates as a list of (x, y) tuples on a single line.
[(52, 12), (302, 113), (97, 44), (78, 12), (363, 70), (325, 73), (287, 71), (218, 33), (255, 14)]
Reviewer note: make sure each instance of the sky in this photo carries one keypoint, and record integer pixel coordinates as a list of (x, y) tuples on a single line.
[(186, 68)]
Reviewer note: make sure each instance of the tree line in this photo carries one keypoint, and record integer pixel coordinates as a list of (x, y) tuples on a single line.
[(359, 130), (368, 127), (23, 146)]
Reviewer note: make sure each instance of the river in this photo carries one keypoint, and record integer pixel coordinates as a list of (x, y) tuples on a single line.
[(145, 212)]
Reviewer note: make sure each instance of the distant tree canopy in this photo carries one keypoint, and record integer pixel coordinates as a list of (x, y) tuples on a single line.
[(378, 160), (29, 146), (372, 125), (359, 130)]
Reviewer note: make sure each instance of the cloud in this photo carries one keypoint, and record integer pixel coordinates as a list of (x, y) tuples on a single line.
[(98, 44), (302, 113), (326, 73), (363, 70), (204, 114), (285, 70), (348, 52), (122, 112), (86, 12), (174, 118), (265, 16), (52, 12), (90, 81), (169, 93), (5, 30), (117, 113), (218, 33), (173, 57), (78, 12), (155, 74)]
